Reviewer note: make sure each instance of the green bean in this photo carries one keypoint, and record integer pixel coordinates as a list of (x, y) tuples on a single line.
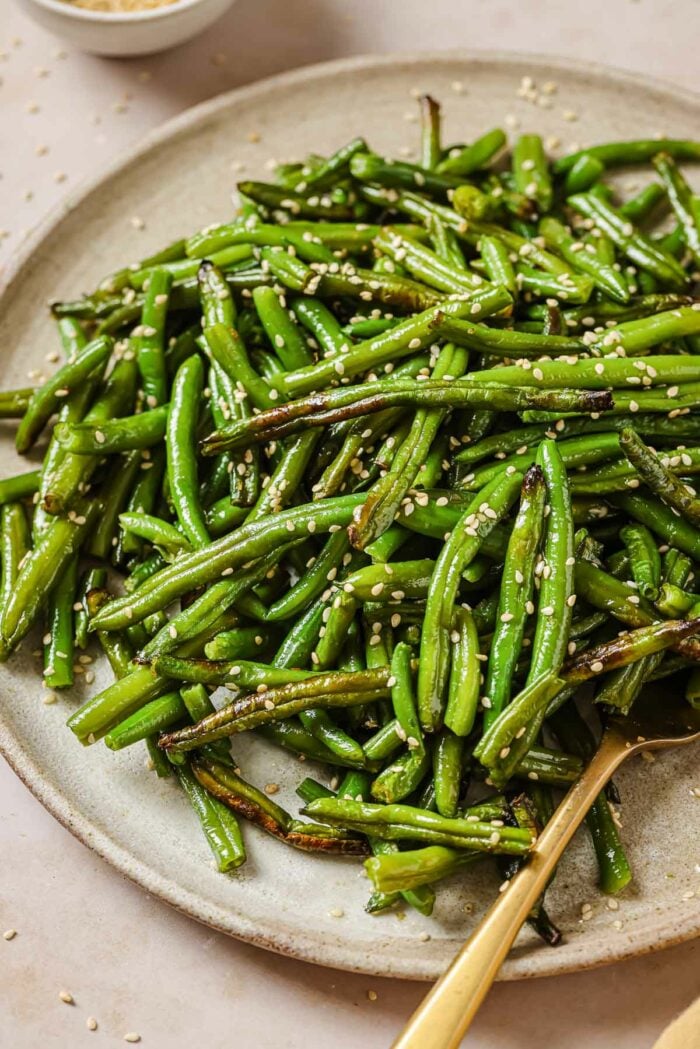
[(671, 601), (627, 648), (242, 797), (284, 335), (425, 264), (14, 403), (637, 151), (92, 579), (661, 520), (319, 690), (116, 282), (58, 649), (348, 403), (278, 197), (530, 171), (206, 611), (480, 517), (154, 717), (369, 167), (614, 867), (682, 201), (496, 745), (167, 538), (403, 698), (401, 777), (517, 586), (448, 752), (40, 570), (592, 373), (119, 484), (15, 542), (240, 674), (219, 824), (605, 277), (21, 486), (182, 463), (46, 399), (506, 342), (571, 288), (583, 173), (412, 868), (465, 675), (118, 435), (404, 338), (674, 493), (287, 476), (148, 339), (293, 737), (227, 349), (185, 268), (477, 155), (638, 248), (71, 475), (497, 263), (131, 691), (645, 559), (554, 608), (641, 206), (404, 822), (243, 642), (386, 494)]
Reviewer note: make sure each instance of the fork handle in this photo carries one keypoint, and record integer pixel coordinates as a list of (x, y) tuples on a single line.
[(450, 1006)]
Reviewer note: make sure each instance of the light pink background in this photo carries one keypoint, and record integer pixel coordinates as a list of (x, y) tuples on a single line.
[(128, 960)]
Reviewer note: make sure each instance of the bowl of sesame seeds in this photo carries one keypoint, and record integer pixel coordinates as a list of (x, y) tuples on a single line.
[(125, 27)]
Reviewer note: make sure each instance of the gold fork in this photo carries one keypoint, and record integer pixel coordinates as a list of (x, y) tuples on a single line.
[(656, 722)]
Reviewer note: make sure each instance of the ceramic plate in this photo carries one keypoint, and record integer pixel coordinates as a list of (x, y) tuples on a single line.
[(179, 180)]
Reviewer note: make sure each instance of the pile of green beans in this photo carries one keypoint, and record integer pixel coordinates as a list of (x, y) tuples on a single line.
[(395, 470)]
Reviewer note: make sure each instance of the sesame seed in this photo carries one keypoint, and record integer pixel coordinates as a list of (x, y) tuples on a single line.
[(596, 666), (337, 912), (91, 1023), (9, 934), (132, 1036), (372, 995), (66, 997), (272, 788)]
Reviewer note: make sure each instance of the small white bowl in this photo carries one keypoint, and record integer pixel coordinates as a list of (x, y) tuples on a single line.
[(126, 33)]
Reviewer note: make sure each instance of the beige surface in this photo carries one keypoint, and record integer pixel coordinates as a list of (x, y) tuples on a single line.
[(157, 1012)]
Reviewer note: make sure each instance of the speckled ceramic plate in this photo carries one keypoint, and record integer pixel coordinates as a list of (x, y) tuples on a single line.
[(179, 180)]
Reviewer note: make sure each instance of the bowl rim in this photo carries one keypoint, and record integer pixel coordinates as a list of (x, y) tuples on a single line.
[(85, 14)]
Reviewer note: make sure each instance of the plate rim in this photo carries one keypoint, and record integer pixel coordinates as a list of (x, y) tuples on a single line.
[(304, 947)]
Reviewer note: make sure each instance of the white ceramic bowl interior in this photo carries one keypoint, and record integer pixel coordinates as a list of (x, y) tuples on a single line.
[(125, 33)]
